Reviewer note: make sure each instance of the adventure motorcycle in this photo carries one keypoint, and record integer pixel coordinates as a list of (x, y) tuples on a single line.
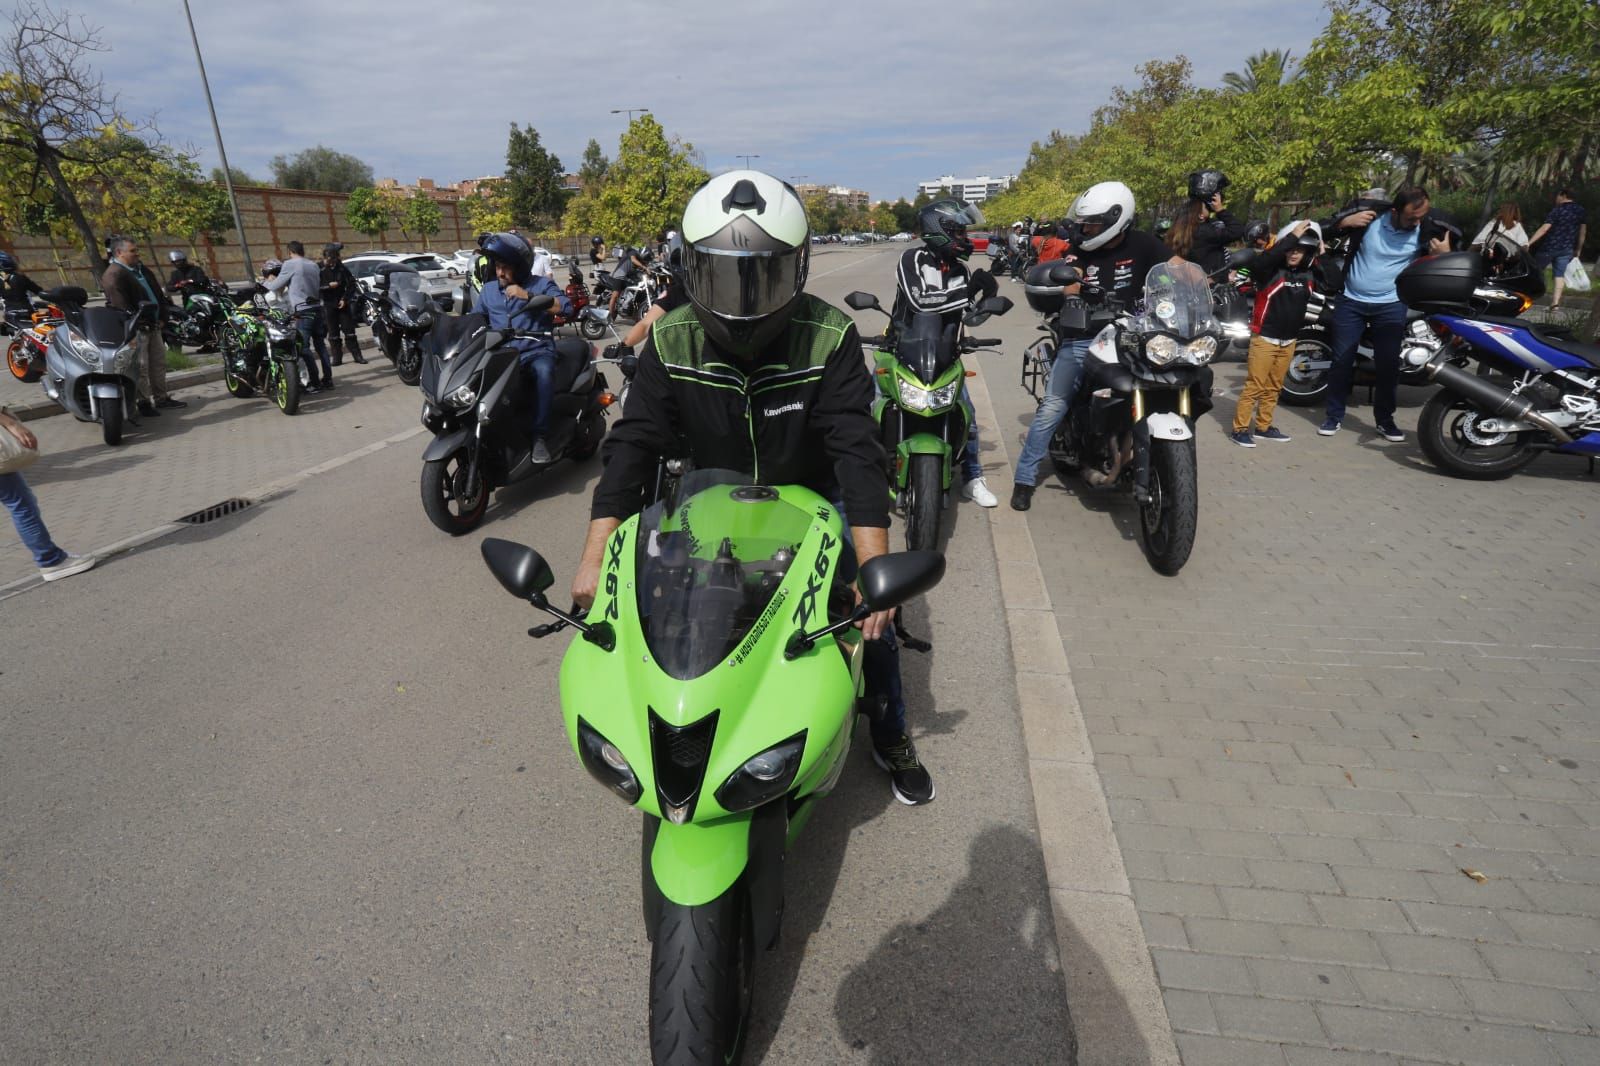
[(477, 401), (401, 317), (91, 364), (1145, 379), (263, 351), (714, 687), (919, 407), (29, 332), (1532, 393)]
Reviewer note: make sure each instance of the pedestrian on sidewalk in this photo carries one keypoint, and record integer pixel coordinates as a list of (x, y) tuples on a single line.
[(130, 288), (1563, 233), (1286, 274), (338, 307), (53, 562)]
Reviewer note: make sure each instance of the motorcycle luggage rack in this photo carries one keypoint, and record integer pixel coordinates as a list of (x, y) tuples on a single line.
[(216, 511)]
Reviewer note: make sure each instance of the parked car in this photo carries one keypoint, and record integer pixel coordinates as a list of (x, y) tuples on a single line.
[(459, 262), (436, 279), (901, 237), (851, 238)]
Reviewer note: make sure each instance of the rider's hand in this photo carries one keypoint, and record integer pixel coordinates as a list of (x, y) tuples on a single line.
[(875, 624), (1438, 246), (1301, 226), (518, 291), (585, 583), (1358, 220)]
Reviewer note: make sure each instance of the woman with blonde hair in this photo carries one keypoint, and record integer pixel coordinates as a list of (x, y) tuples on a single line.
[(1503, 230)]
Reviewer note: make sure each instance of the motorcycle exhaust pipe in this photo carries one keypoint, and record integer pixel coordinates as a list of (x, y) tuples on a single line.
[(1498, 402)]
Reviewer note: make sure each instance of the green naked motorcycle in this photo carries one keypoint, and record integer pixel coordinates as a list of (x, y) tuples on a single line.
[(714, 688), (261, 352), (923, 415)]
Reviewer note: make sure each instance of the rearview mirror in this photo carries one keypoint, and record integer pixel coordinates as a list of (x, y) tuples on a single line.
[(1064, 274), (540, 302), (861, 301), (519, 569), (890, 580)]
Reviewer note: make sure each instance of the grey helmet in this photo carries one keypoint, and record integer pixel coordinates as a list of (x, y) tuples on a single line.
[(175, 257)]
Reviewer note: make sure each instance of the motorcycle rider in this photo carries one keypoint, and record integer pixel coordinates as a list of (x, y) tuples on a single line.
[(671, 296), (1113, 258), (597, 251), (630, 264), (132, 289), (1204, 227), (15, 287), (1258, 236), (934, 278), (809, 421), (505, 301), (1056, 243), (338, 287), (185, 280)]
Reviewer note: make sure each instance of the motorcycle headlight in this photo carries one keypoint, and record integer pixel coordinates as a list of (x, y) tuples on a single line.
[(914, 397), (763, 777), (276, 332), (1200, 350), (605, 763), (124, 362), (463, 397), (1161, 349)]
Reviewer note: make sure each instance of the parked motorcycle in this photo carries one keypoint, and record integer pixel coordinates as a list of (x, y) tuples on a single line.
[(91, 365), (266, 358), (199, 323), (1533, 392), (578, 295), (1145, 379), (709, 691), (29, 337), (478, 404), (919, 410), (402, 313)]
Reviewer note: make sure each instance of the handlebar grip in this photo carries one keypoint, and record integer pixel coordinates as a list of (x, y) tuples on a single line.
[(984, 342)]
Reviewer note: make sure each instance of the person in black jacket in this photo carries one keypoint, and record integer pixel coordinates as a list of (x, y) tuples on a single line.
[(187, 278), (15, 286), (1204, 227), (338, 291), (1285, 276)]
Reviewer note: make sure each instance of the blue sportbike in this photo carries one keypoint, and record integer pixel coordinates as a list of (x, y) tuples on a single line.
[(1531, 392)]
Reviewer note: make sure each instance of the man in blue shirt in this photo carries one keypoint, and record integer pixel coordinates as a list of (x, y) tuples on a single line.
[(1382, 246), (505, 301)]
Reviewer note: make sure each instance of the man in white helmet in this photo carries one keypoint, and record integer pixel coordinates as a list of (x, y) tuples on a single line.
[(1113, 258), (755, 375)]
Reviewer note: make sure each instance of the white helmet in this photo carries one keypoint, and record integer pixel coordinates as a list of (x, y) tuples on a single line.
[(1312, 231), (1109, 204), (1017, 224), (747, 249)]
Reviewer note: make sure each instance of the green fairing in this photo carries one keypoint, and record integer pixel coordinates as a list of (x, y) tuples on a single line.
[(920, 443)]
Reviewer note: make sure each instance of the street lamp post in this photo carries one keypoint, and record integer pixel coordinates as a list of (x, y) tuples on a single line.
[(227, 175), (747, 159), (630, 112)]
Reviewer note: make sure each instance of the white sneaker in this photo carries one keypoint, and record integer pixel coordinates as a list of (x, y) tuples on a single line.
[(977, 490), (72, 564)]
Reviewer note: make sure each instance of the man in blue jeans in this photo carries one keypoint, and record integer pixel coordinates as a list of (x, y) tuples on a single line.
[(16, 497), (1382, 246), (505, 302)]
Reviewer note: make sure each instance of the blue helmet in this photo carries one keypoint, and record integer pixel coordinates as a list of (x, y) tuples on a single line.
[(510, 249), (8, 263)]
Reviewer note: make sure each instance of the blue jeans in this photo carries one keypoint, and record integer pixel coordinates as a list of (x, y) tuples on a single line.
[(541, 366), (24, 508), (313, 331), (1065, 374), (880, 666), (1351, 319), (971, 468)]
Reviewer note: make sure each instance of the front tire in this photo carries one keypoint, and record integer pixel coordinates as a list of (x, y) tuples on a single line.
[(408, 364), (236, 384), (1303, 386), (111, 413), (1167, 523), (924, 501), (286, 389), (590, 328), (1446, 432), (701, 978), (450, 502)]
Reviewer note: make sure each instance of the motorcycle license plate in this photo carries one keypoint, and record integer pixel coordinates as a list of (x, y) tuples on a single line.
[(1104, 345)]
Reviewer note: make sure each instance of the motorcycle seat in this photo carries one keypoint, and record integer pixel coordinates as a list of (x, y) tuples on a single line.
[(1589, 353), (572, 355)]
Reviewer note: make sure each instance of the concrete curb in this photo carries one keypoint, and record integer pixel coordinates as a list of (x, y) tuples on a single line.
[(1117, 1008), (182, 379)]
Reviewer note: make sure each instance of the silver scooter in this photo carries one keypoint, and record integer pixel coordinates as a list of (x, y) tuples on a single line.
[(91, 366)]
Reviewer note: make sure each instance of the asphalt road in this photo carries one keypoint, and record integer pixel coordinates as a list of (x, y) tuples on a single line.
[(292, 787)]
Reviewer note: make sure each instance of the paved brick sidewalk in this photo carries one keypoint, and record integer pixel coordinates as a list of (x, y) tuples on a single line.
[(1369, 679)]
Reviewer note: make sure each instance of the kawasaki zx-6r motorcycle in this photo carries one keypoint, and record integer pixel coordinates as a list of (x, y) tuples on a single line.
[(714, 688), (920, 408)]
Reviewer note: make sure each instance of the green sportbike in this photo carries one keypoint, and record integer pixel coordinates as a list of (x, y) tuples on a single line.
[(920, 407), (261, 352), (714, 687)]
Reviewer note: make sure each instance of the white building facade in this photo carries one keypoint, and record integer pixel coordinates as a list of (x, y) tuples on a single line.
[(972, 190)]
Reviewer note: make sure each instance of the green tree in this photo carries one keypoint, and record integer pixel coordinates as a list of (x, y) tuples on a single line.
[(595, 164), (421, 216), (645, 190), (239, 177), (532, 180), (1264, 70), (487, 212), (369, 211), (905, 216), (320, 168)]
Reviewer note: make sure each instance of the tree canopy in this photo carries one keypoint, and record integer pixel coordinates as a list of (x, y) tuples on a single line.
[(320, 168), (532, 185), (645, 189)]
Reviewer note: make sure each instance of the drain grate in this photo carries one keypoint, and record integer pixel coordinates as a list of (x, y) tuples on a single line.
[(216, 511)]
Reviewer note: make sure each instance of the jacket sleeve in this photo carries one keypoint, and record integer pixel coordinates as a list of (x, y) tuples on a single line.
[(639, 441), (1272, 260), (548, 287), (1228, 228), (843, 415)]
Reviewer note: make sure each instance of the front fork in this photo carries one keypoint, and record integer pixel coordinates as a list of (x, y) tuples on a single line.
[(1141, 440)]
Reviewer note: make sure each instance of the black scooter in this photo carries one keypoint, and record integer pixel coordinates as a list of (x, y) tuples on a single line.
[(401, 317), (478, 404)]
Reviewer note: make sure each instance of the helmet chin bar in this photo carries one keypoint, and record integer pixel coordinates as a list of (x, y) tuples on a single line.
[(746, 337)]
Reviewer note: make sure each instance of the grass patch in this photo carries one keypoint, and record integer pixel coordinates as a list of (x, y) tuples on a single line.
[(177, 360)]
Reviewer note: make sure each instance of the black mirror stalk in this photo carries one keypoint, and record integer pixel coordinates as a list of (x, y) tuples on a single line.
[(599, 634), (803, 642)]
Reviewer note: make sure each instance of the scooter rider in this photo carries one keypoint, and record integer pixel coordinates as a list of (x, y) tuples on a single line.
[(338, 293), (505, 301), (1113, 259), (755, 374), (934, 278)]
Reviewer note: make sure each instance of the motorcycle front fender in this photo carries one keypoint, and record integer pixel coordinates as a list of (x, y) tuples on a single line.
[(105, 390), (446, 446), (920, 444), (695, 863), (1168, 426), (764, 833)]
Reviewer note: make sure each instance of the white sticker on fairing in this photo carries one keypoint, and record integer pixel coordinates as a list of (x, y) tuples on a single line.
[(1167, 426), (1104, 345)]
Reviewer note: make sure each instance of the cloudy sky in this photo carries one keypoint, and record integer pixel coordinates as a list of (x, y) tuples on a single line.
[(875, 94)]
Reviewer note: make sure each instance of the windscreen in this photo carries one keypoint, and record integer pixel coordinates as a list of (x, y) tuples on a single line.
[(1177, 300), (710, 559), (405, 289), (927, 346), (105, 325)]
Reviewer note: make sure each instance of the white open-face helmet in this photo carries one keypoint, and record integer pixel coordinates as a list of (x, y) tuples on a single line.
[(1108, 204), (1311, 238), (747, 249)]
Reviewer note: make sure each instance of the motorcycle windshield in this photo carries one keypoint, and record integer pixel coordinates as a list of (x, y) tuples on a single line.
[(1177, 300), (710, 559), (105, 326), (927, 346), (405, 290)]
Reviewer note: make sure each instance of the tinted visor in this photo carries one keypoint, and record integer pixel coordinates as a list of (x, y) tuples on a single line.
[(744, 284)]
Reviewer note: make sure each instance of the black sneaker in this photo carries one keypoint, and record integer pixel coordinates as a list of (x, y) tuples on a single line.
[(1021, 496), (908, 777), (1390, 432)]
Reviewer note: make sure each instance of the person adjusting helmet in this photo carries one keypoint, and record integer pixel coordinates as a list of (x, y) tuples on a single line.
[(1285, 277), (1258, 235), (505, 302), (597, 251), (1204, 227), (186, 277), (758, 376)]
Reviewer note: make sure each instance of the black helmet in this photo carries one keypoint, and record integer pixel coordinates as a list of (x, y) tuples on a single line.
[(8, 265), (1204, 184), (1163, 227), (1044, 225), (595, 242), (510, 249), (1256, 231), (943, 227), (1440, 223), (332, 248)]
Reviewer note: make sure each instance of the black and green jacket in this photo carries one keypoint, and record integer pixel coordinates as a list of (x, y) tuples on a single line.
[(801, 414)]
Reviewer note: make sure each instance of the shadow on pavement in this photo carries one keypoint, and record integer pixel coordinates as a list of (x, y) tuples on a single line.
[(977, 981)]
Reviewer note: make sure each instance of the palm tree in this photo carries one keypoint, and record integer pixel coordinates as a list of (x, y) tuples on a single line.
[(1266, 69)]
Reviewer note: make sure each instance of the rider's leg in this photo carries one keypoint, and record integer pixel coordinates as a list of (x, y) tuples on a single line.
[(1065, 374)]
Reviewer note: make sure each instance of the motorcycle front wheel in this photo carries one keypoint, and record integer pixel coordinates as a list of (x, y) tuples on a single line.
[(450, 502), (924, 500), (1448, 434), (111, 412), (232, 379), (702, 974), (1303, 385), (408, 364), (591, 328), (22, 368), (286, 385), (1167, 523)]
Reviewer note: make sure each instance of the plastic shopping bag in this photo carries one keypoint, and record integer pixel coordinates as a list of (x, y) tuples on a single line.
[(1577, 277)]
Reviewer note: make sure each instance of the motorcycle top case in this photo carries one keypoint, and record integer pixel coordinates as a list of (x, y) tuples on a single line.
[(1043, 287), (1440, 281)]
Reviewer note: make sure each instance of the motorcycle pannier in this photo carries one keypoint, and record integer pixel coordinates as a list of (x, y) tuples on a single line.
[(1043, 285), (1440, 281)]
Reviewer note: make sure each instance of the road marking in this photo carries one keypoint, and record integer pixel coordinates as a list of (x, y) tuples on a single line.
[(847, 266)]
